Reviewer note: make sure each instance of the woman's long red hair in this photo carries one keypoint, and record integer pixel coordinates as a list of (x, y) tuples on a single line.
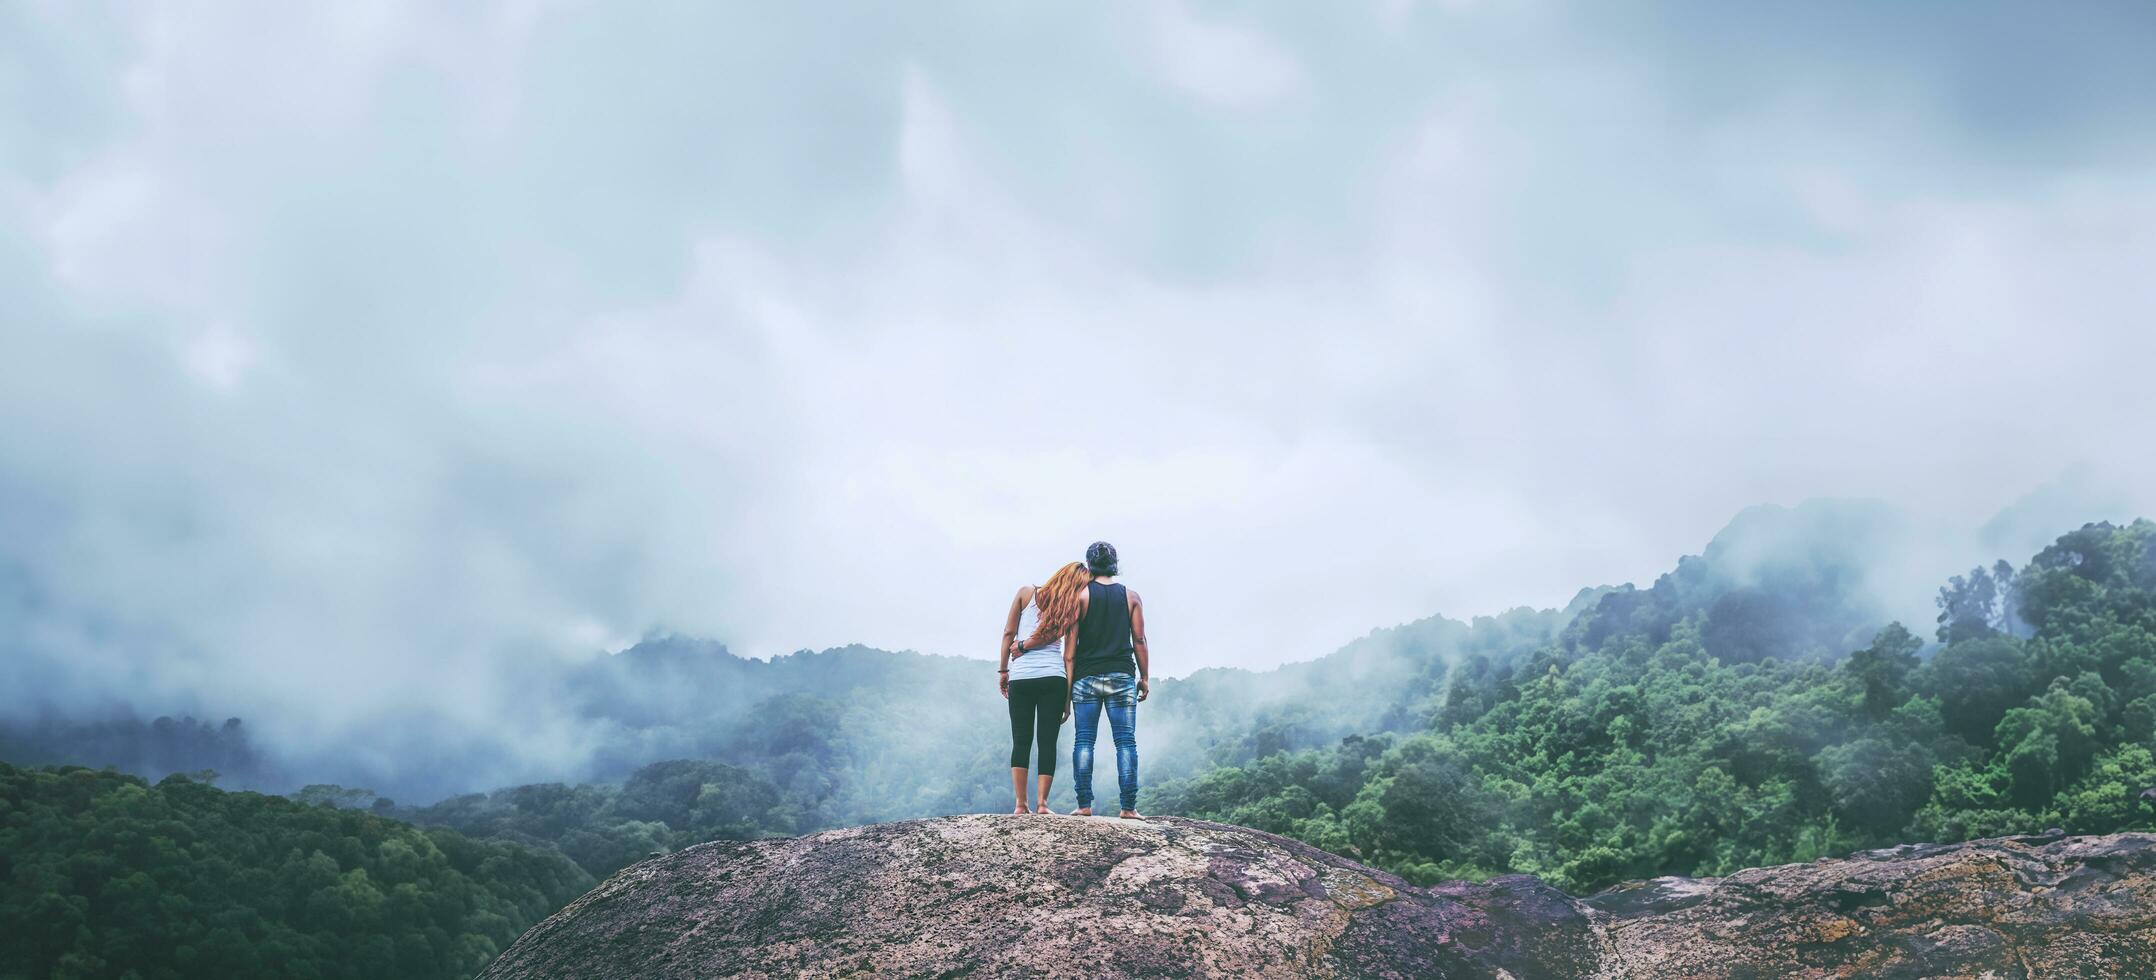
[(1058, 603)]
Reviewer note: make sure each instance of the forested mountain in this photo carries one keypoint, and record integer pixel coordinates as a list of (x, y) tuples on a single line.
[(856, 734), (852, 735), (105, 875), (1754, 705), (1651, 739)]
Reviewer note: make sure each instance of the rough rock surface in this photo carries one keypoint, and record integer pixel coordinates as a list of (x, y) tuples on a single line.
[(2004, 908), (1037, 895), (1010, 895)]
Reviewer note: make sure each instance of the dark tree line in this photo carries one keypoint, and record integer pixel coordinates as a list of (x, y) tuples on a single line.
[(604, 828), (154, 748), (107, 875)]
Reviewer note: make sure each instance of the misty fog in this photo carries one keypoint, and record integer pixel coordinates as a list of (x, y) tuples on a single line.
[(377, 376), (1813, 582)]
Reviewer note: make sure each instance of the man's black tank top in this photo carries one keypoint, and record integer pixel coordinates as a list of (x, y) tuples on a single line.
[(1104, 634)]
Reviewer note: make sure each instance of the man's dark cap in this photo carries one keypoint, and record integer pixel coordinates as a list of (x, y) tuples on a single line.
[(1100, 558)]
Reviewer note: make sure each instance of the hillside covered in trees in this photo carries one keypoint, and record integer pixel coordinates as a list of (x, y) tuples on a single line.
[(105, 875), (1753, 706), (1676, 730)]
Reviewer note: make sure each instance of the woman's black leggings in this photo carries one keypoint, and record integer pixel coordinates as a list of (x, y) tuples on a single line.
[(1036, 716)]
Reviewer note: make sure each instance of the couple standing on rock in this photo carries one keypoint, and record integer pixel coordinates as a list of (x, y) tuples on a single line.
[(1075, 645)]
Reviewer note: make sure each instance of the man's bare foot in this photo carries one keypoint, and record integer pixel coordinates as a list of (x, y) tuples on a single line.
[(1084, 811), (1131, 815)]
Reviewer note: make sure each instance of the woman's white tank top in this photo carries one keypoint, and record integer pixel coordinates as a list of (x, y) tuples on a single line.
[(1044, 661)]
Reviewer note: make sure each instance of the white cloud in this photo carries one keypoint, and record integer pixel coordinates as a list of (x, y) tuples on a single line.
[(1219, 63), (220, 357)]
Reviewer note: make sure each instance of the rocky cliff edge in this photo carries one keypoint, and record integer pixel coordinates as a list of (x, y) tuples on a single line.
[(1008, 895)]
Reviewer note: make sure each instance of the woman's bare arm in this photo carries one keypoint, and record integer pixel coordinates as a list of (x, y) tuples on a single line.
[(1010, 629)]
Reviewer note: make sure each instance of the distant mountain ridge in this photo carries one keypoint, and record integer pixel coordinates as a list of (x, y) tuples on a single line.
[(1776, 583)]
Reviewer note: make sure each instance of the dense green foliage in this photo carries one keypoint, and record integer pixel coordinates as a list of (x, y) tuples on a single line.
[(105, 875), (1629, 748)]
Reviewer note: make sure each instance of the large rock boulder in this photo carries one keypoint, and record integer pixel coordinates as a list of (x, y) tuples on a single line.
[(1038, 895), (1009, 895)]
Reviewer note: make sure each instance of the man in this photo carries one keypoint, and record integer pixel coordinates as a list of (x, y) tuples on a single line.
[(1109, 668)]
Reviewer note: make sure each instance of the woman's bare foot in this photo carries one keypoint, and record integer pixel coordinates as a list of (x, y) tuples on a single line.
[(1131, 815), (1021, 808), (1084, 811), (1040, 808)]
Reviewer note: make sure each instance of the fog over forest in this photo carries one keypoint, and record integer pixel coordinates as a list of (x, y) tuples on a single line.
[(1829, 573)]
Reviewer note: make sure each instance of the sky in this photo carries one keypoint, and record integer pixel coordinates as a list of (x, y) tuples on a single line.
[(353, 354)]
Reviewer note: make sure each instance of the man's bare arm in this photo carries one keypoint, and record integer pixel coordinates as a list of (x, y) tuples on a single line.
[(1070, 657), (1137, 644)]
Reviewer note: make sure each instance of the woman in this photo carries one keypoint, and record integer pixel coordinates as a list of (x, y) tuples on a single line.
[(1029, 670)]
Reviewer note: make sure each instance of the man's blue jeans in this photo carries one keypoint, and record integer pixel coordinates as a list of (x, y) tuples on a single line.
[(1119, 694)]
